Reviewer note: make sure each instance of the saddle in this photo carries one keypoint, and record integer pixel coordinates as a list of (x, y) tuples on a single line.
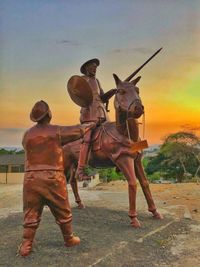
[(109, 129), (97, 137)]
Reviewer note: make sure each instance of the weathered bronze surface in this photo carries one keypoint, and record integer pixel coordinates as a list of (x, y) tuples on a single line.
[(44, 180), (118, 144)]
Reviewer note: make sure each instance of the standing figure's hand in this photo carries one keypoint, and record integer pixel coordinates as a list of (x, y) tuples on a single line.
[(88, 126)]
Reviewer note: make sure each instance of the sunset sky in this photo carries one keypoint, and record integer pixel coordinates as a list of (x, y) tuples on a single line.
[(43, 43)]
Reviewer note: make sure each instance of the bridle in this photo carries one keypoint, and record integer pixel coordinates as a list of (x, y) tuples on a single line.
[(135, 101)]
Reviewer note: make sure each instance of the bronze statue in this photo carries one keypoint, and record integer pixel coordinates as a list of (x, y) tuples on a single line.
[(117, 144), (44, 180), (90, 97)]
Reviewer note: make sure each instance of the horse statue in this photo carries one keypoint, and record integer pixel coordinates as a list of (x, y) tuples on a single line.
[(117, 144)]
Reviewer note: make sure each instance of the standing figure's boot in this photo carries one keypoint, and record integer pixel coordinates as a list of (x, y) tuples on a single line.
[(83, 158), (69, 238), (25, 247)]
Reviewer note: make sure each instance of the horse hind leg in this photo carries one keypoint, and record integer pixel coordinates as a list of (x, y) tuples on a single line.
[(74, 186), (125, 164), (145, 187)]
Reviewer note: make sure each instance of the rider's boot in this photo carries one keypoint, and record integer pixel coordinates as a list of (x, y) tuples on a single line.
[(83, 158), (69, 239)]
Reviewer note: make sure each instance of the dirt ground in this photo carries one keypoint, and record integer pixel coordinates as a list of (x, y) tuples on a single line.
[(107, 238), (181, 197)]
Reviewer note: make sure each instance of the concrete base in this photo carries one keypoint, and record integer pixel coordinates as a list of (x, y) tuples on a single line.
[(12, 178), (95, 181)]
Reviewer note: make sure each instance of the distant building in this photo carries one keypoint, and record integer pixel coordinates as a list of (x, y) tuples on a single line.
[(12, 168), (152, 151)]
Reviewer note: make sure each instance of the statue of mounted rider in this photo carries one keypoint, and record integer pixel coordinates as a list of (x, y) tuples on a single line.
[(109, 143), (86, 91)]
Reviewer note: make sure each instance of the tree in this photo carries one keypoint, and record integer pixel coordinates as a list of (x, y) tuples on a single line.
[(178, 156), (182, 149), (4, 151), (153, 165)]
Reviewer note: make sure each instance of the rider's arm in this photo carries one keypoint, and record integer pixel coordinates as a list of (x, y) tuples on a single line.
[(105, 97)]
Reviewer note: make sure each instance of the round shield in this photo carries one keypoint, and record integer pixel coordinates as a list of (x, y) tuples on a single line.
[(80, 91)]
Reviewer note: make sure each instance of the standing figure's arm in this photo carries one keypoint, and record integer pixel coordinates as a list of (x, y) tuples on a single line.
[(72, 133)]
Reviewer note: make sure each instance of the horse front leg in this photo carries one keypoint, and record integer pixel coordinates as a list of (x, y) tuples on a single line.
[(125, 164), (140, 173), (74, 186)]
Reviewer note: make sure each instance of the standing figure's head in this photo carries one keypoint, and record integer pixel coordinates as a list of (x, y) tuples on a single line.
[(89, 67), (40, 112)]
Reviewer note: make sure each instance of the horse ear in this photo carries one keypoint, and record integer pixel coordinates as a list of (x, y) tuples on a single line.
[(117, 79), (135, 81)]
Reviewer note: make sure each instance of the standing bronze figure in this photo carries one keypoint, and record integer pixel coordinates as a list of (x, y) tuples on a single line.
[(118, 144), (44, 180)]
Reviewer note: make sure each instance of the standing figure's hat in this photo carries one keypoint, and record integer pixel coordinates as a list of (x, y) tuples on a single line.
[(39, 111), (95, 60)]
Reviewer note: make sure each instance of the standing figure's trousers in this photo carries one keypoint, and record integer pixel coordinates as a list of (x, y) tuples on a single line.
[(47, 187)]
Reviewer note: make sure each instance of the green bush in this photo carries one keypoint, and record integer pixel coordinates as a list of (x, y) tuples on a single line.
[(110, 174), (155, 176), (145, 162)]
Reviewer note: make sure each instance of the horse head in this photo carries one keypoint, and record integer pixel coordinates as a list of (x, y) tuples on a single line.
[(127, 99)]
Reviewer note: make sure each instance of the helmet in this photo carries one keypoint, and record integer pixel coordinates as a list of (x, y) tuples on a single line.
[(95, 60)]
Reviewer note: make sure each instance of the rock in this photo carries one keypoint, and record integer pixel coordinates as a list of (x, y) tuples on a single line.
[(195, 210), (85, 184), (187, 214), (95, 181)]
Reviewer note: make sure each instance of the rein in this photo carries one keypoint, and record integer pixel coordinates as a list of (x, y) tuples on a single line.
[(127, 117), (143, 128), (143, 121), (144, 125)]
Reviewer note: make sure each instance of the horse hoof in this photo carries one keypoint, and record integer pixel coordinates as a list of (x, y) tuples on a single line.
[(81, 206), (157, 216), (135, 223)]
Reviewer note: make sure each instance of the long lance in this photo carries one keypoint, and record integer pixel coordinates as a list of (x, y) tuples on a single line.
[(136, 71)]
